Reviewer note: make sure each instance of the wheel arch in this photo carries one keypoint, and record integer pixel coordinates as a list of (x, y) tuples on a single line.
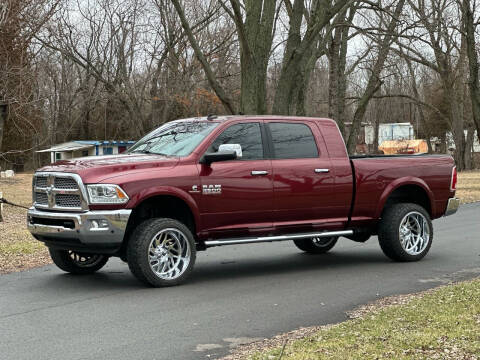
[(413, 190), (164, 204)]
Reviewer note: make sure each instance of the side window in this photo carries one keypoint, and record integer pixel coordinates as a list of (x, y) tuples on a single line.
[(248, 135), (292, 141)]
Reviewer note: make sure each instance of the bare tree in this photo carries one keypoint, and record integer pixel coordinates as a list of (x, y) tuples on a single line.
[(19, 120), (374, 81), (214, 83), (435, 25)]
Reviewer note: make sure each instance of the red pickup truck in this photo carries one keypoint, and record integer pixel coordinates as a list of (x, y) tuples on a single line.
[(196, 183)]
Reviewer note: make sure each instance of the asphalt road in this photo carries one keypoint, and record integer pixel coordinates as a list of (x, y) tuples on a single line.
[(236, 293)]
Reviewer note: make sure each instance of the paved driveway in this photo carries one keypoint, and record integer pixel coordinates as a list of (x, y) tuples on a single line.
[(236, 293)]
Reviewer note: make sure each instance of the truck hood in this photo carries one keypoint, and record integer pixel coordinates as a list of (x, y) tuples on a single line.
[(94, 169)]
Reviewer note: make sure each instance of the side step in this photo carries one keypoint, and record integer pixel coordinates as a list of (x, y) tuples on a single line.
[(212, 243)]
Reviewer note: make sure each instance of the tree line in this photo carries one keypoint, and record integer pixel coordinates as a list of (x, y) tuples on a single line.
[(116, 69)]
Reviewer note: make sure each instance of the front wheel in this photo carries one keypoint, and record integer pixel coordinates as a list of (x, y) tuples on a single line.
[(316, 245), (405, 232), (161, 252), (76, 262)]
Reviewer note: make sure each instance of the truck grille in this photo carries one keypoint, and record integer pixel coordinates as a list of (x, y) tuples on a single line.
[(65, 183), (59, 191), (70, 201), (41, 181), (41, 198)]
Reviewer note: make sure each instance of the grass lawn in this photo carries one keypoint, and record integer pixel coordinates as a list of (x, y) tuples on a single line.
[(18, 249), (443, 323), (468, 187)]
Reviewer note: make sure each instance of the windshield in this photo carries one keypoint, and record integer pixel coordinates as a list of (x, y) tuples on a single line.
[(174, 139)]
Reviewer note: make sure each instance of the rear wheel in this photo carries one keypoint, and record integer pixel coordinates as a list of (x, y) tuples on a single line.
[(77, 262), (405, 232), (316, 245), (161, 252)]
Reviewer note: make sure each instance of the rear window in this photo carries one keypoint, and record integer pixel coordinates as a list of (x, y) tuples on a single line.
[(292, 141)]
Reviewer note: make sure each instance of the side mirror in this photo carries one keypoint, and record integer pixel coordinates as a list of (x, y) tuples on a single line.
[(231, 147), (209, 158)]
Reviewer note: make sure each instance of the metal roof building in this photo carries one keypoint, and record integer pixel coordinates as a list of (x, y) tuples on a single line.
[(82, 148)]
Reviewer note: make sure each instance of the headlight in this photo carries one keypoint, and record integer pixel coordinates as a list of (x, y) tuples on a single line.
[(106, 194)]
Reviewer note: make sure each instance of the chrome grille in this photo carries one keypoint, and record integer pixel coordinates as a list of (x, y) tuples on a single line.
[(41, 198), (41, 181), (59, 191), (65, 183), (67, 200)]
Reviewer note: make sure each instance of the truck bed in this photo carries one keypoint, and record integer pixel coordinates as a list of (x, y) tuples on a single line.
[(376, 176)]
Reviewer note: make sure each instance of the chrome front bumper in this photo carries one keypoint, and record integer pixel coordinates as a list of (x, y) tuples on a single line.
[(452, 206), (79, 227)]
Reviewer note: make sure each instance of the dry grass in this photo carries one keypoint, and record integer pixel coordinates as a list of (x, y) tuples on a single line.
[(18, 249), (442, 323), (468, 187)]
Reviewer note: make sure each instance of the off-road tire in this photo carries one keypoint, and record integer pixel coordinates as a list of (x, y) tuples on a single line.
[(311, 247), (64, 260), (389, 231), (138, 250)]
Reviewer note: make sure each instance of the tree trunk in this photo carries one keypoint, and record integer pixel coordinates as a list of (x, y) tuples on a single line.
[(443, 144), (421, 114), (458, 135), (302, 86), (297, 50), (333, 81), (255, 37), (3, 121), (473, 82), (454, 92), (375, 135), (337, 60), (469, 147)]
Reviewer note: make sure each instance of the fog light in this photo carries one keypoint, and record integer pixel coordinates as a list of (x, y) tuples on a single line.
[(98, 225)]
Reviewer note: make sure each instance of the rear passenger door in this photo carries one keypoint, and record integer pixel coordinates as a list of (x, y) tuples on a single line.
[(244, 203), (303, 178)]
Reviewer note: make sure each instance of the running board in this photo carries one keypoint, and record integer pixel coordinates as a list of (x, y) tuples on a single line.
[(212, 243)]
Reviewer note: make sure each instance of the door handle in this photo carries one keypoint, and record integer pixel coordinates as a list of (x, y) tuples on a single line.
[(259, 172), (320, 171)]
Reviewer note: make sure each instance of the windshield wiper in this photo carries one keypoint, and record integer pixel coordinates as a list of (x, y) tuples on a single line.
[(141, 152), (146, 151)]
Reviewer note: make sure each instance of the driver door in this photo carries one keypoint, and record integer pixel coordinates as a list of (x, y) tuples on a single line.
[(237, 195)]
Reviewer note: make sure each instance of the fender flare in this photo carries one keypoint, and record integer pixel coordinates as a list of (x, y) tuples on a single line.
[(398, 183), (151, 192)]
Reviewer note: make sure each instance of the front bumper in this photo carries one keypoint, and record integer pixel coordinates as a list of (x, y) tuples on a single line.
[(77, 230), (452, 206)]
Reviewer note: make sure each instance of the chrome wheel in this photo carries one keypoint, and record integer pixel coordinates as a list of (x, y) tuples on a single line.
[(85, 260), (169, 254), (414, 233), (322, 242)]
